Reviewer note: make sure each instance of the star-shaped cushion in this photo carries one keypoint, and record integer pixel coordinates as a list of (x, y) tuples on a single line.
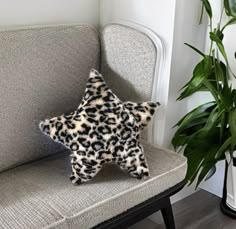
[(101, 130)]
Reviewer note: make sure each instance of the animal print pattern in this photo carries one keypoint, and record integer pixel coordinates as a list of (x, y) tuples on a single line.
[(102, 130)]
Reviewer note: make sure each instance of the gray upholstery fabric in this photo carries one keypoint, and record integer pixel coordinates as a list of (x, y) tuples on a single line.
[(43, 73), (40, 195), (128, 62)]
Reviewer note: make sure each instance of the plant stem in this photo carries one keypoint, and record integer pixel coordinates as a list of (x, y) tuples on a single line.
[(211, 46), (211, 27), (221, 16), (201, 16)]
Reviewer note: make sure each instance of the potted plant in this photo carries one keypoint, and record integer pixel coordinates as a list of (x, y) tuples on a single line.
[(207, 134)]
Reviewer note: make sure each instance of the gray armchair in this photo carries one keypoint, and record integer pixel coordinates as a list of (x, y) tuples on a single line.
[(43, 71)]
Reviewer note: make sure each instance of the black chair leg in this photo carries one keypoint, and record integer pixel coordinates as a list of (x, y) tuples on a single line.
[(167, 215)]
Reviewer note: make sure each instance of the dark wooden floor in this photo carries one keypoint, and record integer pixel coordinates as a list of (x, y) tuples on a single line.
[(198, 211)]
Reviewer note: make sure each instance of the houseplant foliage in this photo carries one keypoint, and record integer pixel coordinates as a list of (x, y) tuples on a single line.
[(206, 133)]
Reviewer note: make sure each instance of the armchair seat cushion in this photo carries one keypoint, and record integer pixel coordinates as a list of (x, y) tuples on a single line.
[(40, 195)]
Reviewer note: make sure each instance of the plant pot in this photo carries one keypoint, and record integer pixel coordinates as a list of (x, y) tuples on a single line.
[(228, 203)]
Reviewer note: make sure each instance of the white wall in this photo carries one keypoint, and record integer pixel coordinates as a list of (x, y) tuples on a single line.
[(18, 12)]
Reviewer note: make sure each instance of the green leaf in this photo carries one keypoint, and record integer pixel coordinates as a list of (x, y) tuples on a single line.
[(208, 163), (230, 7), (212, 89), (220, 153), (206, 168), (212, 120), (207, 6), (214, 37), (197, 152), (227, 97), (200, 73), (195, 159), (191, 123), (232, 4), (195, 49), (220, 72), (230, 22), (196, 113), (219, 34), (185, 134), (211, 173), (227, 7), (227, 101), (223, 126), (200, 152)]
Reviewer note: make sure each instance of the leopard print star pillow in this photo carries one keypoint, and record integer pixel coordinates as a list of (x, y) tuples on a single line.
[(101, 130)]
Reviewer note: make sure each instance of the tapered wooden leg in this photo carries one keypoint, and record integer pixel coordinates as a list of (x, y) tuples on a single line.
[(167, 215)]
